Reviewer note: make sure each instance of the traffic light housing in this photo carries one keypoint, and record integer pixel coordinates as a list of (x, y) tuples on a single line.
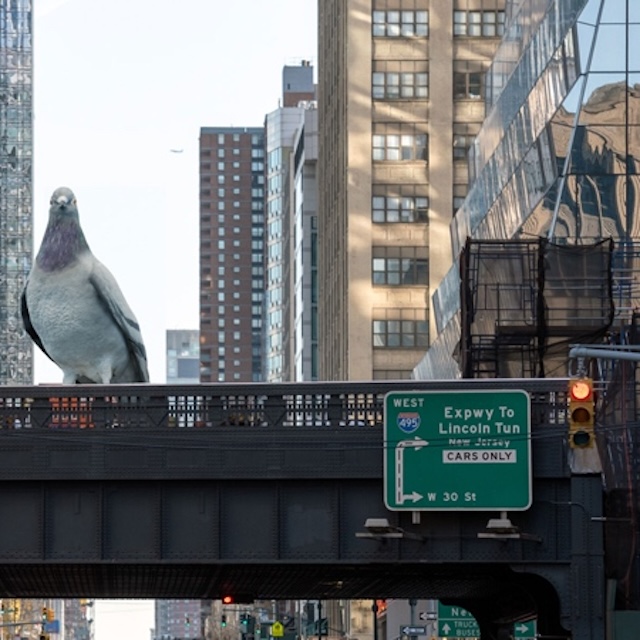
[(238, 598), (581, 413), (223, 620)]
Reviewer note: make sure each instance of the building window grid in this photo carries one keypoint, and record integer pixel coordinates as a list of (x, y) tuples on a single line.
[(399, 146), (484, 24), (468, 79), (399, 266), (399, 208), (463, 137), (396, 85), (400, 329), (400, 24)]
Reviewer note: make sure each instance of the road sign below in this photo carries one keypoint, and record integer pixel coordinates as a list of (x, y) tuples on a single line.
[(525, 630), (427, 615), (456, 622), (409, 630), (277, 629), (457, 450)]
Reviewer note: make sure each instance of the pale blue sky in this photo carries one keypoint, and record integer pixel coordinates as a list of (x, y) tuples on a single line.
[(118, 83)]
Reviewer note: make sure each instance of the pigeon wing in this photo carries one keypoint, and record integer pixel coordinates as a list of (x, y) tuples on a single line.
[(111, 296), (26, 319)]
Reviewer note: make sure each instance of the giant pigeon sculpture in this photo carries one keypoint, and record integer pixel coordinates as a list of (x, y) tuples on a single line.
[(74, 310)]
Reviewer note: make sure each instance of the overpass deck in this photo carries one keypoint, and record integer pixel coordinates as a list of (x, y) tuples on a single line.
[(197, 491)]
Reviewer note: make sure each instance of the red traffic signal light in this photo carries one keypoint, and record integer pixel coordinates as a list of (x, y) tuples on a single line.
[(581, 413), (238, 598)]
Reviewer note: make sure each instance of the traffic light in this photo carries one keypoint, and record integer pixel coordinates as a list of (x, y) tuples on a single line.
[(581, 412), (238, 598), (223, 620), (50, 615)]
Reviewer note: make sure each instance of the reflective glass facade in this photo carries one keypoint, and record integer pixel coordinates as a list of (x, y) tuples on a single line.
[(558, 155), (16, 151)]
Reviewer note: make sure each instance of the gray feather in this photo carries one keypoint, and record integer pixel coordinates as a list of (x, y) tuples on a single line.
[(74, 310)]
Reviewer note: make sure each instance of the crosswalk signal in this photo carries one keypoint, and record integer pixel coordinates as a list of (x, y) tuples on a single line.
[(581, 410)]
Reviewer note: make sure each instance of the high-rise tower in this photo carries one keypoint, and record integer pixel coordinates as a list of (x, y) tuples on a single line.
[(231, 253), (16, 152), (400, 97)]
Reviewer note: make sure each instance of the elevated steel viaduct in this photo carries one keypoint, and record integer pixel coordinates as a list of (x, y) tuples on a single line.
[(261, 490)]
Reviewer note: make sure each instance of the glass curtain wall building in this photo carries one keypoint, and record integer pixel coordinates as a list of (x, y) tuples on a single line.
[(558, 155), (305, 250), (16, 151), (556, 165)]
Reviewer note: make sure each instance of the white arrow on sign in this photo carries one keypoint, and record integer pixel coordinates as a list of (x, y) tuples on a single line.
[(522, 628), (446, 628), (413, 631), (401, 496)]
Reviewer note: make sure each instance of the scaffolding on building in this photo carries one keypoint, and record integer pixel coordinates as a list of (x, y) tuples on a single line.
[(524, 302), (524, 307)]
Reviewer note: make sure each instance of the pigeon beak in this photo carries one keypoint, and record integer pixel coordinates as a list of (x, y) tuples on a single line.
[(62, 200)]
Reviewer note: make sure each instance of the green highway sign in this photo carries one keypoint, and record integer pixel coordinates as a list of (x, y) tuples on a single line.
[(457, 450), (456, 622), (525, 630)]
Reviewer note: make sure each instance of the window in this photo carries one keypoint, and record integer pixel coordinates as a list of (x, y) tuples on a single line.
[(400, 333), (399, 266), (396, 24), (459, 195), (463, 136), (468, 76), (398, 143), (391, 206), (487, 24), (398, 80)]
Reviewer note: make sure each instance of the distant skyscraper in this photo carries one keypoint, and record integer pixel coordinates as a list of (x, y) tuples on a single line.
[(16, 152), (250, 255), (180, 619), (400, 97), (232, 281), (304, 265), (183, 356), (284, 127)]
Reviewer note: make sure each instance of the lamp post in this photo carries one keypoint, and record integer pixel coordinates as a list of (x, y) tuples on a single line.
[(374, 608)]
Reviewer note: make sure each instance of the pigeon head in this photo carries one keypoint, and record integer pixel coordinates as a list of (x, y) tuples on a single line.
[(63, 238), (63, 202)]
